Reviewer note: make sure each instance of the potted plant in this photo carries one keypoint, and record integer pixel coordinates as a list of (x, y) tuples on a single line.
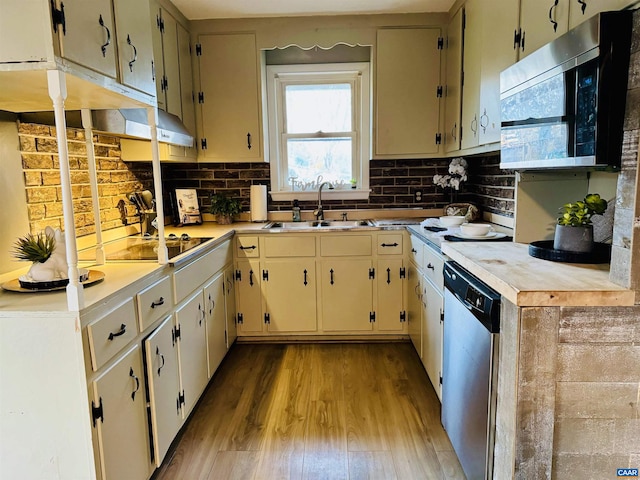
[(224, 207), (574, 231)]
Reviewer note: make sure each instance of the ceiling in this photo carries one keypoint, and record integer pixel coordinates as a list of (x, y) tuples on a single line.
[(205, 9)]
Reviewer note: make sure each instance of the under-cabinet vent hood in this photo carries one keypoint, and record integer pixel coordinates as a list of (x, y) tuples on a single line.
[(133, 122)]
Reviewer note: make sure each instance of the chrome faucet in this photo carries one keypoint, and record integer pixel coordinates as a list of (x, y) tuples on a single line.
[(319, 212)]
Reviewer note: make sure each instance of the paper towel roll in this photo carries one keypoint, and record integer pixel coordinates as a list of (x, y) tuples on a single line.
[(258, 203)]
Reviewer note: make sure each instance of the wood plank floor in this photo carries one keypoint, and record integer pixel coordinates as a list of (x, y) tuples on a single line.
[(315, 411)]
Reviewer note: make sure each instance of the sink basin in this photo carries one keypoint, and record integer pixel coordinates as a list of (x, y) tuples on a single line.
[(320, 224)]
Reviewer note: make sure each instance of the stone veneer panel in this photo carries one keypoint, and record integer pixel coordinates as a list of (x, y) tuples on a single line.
[(40, 164)]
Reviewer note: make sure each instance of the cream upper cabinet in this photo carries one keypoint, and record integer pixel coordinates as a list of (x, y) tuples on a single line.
[(453, 83), (407, 98), (229, 98), (187, 97), (165, 53), (542, 21), (580, 10), (471, 67), (135, 45)]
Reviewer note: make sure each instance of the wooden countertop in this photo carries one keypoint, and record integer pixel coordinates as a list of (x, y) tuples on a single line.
[(527, 281)]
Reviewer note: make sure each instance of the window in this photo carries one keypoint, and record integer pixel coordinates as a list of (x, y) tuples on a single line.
[(319, 125)]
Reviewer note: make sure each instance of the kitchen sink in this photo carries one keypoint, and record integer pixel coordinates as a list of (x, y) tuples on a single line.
[(319, 224)]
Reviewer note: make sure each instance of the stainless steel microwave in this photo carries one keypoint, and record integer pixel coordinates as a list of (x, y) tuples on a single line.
[(563, 105)]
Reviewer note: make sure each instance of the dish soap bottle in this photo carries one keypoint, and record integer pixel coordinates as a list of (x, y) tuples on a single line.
[(296, 212)]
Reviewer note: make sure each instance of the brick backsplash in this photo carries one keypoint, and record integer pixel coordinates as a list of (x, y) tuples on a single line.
[(392, 182), (40, 164)]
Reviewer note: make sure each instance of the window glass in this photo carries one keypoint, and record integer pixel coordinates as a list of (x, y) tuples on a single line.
[(313, 108), (329, 157)]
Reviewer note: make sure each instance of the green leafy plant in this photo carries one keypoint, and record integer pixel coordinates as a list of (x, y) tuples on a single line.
[(580, 213), (223, 205), (34, 248)]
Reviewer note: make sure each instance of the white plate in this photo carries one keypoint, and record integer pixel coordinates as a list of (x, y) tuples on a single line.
[(488, 236)]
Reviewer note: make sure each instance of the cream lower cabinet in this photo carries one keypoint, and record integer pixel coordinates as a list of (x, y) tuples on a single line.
[(216, 321), (249, 297), (230, 306), (347, 295), (432, 329), (390, 279), (119, 412), (289, 292), (414, 307), (192, 349), (163, 377)]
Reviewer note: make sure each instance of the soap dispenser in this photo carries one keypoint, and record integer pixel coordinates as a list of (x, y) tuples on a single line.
[(296, 212)]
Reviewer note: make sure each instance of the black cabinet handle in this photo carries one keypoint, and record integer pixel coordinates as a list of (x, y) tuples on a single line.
[(474, 125), (331, 272), (305, 277), (132, 375), (482, 123), (583, 5), (249, 140), (453, 130), (158, 303), (388, 244), (251, 277), (431, 267), (413, 250), (135, 53), (108, 42), (388, 276), (252, 247), (202, 314), (161, 358), (551, 19), (123, 329)]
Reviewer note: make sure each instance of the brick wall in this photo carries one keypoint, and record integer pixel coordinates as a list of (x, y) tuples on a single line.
[(40, 164)]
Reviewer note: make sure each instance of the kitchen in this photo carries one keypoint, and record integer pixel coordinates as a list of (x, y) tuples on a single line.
[(388, 179)]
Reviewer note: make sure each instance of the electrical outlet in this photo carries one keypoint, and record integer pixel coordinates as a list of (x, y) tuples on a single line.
[(417, 196)]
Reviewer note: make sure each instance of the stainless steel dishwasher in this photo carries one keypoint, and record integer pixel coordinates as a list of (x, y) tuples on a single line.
[(469, 376)]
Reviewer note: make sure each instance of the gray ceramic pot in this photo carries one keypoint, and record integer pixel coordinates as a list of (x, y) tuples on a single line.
[(573, 239)]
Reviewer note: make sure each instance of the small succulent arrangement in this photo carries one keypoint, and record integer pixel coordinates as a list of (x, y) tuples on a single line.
[(34, 248), (224, 207), (456, 176), (581, 212)]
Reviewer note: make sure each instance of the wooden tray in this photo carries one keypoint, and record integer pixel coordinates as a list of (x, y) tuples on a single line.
[(543, 249), (94, 276)]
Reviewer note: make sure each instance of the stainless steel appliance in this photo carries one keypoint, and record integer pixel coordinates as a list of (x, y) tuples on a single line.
[(563, 105), (470, 369)]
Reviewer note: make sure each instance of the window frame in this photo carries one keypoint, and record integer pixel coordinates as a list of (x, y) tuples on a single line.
[(278, 77)]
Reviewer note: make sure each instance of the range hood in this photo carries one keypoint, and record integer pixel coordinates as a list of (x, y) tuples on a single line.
[(132, 122)]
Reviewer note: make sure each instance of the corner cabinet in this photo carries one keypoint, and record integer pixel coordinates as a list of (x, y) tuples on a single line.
[(453, 83), (230, 128), (408, 92)]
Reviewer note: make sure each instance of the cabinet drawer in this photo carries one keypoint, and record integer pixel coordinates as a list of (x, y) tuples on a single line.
[(111, 333), (190, 277), (390, 244), (343, 246), (300, 246), (247, 247), (416, 252), (433, 263), (154, 302)]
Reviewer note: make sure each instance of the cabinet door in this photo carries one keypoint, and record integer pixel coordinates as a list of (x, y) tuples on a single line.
[(161, 356), (472, 65), (90, 35), (158, 62), (580, 11), (347, 295), (187, 97), (230, 306), (500, 19), (414, 307), (407, 102), (433, 309), (123, 432), (453, 83), (192, 350), (389, 304), (135, 45), (289, 292), (171, 65), (249, 297), (230, 87), (216, 322), (542, 21)]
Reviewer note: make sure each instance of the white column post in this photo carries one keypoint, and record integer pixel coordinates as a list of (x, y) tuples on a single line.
[(87, 124), (58, 93), (152, 115)]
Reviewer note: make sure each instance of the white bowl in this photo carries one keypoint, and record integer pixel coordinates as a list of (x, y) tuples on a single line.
[(451, 220), (476, 229)]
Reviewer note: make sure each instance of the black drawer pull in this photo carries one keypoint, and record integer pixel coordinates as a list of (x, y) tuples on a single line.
[(132, 375), (413, 250), (123, 329), (431, 267), (389, 244), (252, 247), (161, 358), (158, 303)]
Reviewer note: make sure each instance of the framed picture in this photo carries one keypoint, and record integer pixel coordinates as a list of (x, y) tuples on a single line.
[(187, 206)]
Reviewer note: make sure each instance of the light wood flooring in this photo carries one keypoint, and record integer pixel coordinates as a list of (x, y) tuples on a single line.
[(315, 411)]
